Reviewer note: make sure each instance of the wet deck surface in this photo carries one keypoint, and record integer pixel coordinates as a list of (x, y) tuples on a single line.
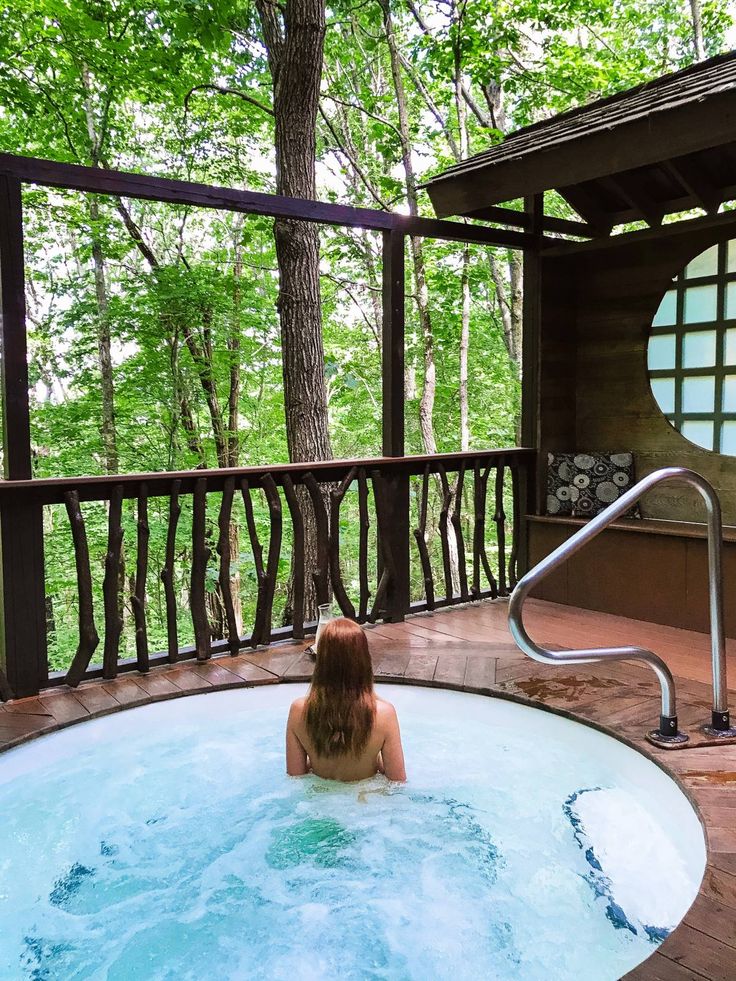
[(471, 649)]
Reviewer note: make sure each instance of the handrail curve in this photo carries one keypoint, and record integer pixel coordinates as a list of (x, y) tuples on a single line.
[(668, 731)]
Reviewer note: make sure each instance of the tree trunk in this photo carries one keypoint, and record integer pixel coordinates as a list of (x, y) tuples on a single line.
[(516, 301), (462, 126), (294, 42), (464, 347), (509, 294), (426, 403), (697, 17), (109, 436), (107, 421)]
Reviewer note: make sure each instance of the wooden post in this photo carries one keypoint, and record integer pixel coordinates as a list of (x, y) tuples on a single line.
[(531, 369), (399, 592), (23, 656), (527, 498), (393, 343)]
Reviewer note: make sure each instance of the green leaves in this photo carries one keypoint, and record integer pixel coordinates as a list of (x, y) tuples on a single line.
[(106, 83)]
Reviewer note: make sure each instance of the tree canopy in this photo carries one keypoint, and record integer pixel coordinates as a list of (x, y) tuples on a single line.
[(154, 330)]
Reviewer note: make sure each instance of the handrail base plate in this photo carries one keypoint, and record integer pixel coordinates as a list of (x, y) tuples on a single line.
[(719, 734), (676, 741)]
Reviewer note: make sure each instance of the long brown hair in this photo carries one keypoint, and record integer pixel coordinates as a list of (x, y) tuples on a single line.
[(341, 704)]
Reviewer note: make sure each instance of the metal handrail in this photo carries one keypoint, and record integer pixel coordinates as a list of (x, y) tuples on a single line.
[(668, 731)]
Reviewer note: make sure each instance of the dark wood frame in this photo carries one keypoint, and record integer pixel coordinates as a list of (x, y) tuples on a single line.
[(50, 173), (389, 478), (719, 325), (23, 654)]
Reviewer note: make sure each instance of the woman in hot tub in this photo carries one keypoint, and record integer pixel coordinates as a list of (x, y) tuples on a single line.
[(341, 729)]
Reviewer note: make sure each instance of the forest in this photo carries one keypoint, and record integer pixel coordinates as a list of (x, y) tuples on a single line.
[(168, 338)]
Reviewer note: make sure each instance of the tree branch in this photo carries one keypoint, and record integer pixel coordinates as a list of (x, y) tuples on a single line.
[(224, 90), (484, 120), (136, 235), (367, 112), (344, 285), (353, 162), (432, 106)]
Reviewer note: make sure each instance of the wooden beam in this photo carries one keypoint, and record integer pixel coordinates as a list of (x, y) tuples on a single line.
[(394, 313), (455, 231), (687, 226), (392, 374), (51, 490), (532, 342), (13, 341), (588, 208), (626, 186), (686, 202), (520, 219), (50, 173), (23, 655), (694, 183)]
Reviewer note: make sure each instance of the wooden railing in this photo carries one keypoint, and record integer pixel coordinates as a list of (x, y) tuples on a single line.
[(431, 531)]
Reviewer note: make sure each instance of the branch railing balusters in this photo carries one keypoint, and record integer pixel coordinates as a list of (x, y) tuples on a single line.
[(138, 599), (499, 517), (257, 550), (381, 492), (88, 636), (200, 558), (365, 525), (516, 526), (481, 533), (223, 550), (167, 574), (444, 531), (383, 518), (336, 496), (297, 558), (274, 553), (458, 529), (6, 692), (111, 585), (420, 535), (320, 575)]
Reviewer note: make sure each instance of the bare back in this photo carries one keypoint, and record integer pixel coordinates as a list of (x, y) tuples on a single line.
[(383, 752)]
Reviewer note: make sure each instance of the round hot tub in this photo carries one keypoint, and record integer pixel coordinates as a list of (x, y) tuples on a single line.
[(166, 842)]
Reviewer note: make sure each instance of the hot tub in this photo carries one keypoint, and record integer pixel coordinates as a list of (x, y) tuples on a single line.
[(166, 842)]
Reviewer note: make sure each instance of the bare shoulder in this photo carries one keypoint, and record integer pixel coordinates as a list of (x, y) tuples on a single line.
[(385, 712), (296, 712)]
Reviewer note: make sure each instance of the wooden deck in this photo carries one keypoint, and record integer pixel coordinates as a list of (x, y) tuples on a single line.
[(471, 649)]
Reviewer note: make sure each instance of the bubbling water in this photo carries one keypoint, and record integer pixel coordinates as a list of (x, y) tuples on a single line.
[(167, 843)]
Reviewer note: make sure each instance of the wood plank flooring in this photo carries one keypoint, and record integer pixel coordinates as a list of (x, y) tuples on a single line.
[(470, 649)]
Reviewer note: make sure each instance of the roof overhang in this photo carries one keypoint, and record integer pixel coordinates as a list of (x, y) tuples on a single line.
[(663, 147)]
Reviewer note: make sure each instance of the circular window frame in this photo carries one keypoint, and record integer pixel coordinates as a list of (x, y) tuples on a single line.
[(709, 315)]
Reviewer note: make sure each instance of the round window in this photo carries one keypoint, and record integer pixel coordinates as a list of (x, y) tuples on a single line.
[(692, 350)]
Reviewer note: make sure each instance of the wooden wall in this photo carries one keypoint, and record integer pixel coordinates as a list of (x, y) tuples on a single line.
[(598, 302), (643, 574)]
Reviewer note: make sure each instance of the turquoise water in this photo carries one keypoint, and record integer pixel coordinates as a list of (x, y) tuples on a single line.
[(167, 843)]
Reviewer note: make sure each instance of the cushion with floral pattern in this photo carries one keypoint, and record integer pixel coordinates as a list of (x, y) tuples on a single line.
[(584, 484), (560, 473), (600, 479)]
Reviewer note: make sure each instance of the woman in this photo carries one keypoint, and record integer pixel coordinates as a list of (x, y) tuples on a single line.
[(341, 730)]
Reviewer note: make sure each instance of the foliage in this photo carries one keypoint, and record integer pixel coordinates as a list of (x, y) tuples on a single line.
[(182, 89)]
